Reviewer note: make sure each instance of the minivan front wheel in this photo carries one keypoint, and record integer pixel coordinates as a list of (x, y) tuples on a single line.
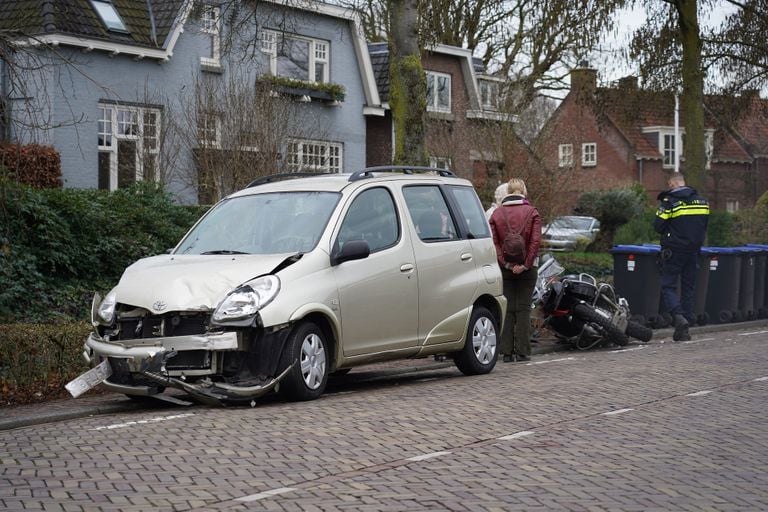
[(308, 348), (480, 345)]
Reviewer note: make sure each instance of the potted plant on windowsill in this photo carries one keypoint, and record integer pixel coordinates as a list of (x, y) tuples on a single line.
[(323, 91)]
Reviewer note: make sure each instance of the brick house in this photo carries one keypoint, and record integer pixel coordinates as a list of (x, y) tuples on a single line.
[(117, 75), (466, 131), (601, 138)]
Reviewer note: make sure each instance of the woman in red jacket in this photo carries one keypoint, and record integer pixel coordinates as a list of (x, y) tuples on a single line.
[(516, 214)]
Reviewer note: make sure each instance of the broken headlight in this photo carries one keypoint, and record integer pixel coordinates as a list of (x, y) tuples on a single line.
[(245, 300), (106, 309)]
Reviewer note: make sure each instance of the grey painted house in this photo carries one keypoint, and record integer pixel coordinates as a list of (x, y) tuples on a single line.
[(128, 89)]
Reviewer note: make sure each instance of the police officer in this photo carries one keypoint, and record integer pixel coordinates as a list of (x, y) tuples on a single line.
[(682, 222)]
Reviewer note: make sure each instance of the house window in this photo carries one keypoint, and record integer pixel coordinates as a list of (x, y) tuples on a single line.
[(210, 24), (128, 143), (109, 15), (299, 58), (105, 128), (565, 155), (208, 129), (489, 94), (589, 154), (312, 155), (731, 205), (668, 149), (440, 162), (438, 92), (127, 122)]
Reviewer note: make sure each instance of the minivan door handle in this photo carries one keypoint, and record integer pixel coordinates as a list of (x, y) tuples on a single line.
[(466, 256), (406, 267)]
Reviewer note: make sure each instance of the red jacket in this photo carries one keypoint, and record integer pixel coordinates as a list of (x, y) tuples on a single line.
[(514, 210)]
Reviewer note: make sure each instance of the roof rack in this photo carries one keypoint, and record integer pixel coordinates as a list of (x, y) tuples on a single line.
[(402, 169), (283, 176)]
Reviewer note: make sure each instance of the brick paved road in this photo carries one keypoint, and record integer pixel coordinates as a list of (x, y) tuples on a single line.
[(657, 427)]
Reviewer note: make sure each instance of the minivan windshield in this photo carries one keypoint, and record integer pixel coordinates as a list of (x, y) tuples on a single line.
[(270, 223)]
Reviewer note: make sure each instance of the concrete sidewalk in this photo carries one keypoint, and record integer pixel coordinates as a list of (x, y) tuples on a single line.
[(112, 403)]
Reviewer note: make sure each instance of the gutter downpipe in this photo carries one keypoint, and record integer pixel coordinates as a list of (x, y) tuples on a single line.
[(677, 133)]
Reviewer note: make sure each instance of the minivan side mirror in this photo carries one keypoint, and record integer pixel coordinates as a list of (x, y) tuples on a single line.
[(352, 250)]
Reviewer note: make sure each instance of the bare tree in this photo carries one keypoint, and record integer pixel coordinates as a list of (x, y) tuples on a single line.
[(235, 132)]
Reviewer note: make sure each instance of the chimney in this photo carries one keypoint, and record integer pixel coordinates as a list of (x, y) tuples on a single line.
[(628, 82), (583, 78)]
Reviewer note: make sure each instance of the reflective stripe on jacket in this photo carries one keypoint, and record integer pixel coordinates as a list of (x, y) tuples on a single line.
[(682, 219)]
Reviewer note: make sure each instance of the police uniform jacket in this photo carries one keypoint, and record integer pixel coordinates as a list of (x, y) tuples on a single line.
[(682, 219)]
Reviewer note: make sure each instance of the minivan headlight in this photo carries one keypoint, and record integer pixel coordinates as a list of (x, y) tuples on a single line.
[(247, 299), (107, 308)]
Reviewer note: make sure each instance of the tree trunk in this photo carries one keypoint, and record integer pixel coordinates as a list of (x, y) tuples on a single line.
[(693, 93), (407, 84)]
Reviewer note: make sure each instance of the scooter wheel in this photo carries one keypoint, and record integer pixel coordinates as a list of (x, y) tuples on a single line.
[(612, 333)]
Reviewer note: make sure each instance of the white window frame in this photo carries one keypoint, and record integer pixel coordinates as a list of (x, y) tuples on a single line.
[(109, 15), (434, 106), (565, 155), (490, 91), (205, 117), (589, 154), (112, 118), (732, 205), (319, 53), (440, 162), (210, 23), (300, 152)]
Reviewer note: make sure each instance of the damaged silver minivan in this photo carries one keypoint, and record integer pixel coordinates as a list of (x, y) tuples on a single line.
[(297, 277)]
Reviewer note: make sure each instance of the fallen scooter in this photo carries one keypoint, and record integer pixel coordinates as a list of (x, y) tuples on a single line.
[(582, 311)]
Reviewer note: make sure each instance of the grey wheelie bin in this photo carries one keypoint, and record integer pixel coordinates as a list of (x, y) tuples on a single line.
[(761, 280), (636, 278), (747, 309), (724, 265)]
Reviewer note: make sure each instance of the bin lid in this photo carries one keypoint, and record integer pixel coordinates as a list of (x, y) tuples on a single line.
[(759, 247), (744, 249), (635, 249), (719, 250)]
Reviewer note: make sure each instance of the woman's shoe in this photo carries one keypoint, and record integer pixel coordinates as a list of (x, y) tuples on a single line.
[(508, 359), (522, 359)]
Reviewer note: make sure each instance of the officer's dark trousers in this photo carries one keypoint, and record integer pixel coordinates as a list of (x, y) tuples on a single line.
[(679, 270)]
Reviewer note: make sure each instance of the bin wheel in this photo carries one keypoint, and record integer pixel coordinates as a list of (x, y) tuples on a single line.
[(658, 322), (750, 315), (725, 316), (702, 318)]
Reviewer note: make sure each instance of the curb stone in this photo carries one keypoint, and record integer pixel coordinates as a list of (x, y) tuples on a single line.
[(68, 409)]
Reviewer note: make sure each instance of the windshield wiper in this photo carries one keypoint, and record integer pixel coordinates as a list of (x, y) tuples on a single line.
[(224, 251)]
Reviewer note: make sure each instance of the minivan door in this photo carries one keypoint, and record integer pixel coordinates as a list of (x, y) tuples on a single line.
[(378, 295)]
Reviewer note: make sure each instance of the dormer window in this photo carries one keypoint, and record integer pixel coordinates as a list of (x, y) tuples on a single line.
[(109, 15)]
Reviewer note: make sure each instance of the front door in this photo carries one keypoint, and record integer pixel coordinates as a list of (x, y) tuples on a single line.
[(378, 295)]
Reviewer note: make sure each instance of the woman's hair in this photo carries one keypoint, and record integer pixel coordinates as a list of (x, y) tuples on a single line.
[(517, 186)]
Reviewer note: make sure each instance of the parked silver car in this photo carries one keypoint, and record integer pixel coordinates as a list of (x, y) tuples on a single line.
[(565, 233), (285, 282)]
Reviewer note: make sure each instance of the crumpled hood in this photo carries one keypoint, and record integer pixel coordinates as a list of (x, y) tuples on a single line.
[(173, 282)]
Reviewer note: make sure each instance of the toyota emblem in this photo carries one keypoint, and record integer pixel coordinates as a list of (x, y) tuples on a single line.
[(159, 305)]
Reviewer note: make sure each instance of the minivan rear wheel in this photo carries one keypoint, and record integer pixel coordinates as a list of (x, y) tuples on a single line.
[(480, 344), (308, 348)]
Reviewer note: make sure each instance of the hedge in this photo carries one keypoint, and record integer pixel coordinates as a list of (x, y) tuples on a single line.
[(36, 360), (59, 246), (33, 164)]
